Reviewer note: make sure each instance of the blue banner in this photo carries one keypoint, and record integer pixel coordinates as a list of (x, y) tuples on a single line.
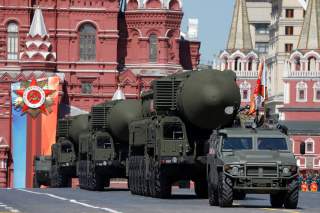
[(19, 142)]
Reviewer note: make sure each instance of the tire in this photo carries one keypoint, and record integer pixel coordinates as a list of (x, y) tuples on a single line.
[(277, 199), (36, 183), (239, 195), (139, 176), (201, 188), (96, 182), (292, 196), (59, 180), (152, 185), (162, 184), (213, 195), (225, 187)]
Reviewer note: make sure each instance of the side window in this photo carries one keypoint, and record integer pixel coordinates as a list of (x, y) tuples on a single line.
[(172, 131), (12, 41), (104, 143), (153, 48), (86, 88), (87, 33)]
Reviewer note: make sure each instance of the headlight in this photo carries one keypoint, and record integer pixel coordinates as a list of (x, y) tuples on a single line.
[(286, 170), (235, 171)]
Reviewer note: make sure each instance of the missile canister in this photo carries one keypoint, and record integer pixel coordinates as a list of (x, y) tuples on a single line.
[(207, 99), (115, 117)]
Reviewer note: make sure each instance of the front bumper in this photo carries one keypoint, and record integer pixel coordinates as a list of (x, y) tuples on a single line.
[(261, 184)]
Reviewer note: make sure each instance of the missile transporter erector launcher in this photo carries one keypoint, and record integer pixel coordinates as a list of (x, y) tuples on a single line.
[(64, 153), (94, 147), (170, 142), (103, 151)]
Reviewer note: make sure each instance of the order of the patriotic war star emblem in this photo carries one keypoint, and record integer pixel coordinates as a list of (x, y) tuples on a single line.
[(34, 98)]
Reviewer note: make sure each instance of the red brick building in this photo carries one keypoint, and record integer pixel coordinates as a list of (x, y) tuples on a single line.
[(94, 46)]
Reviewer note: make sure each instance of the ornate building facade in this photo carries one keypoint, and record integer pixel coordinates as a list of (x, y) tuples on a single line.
[(292, 56), (94, 47)]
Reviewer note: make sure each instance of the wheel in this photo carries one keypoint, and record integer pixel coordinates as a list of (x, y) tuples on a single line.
[(213, 195), (139, 176), (36, 183), (162, 184), (201, 188), (239, 195), (135, 175), (96, 181), (131, 176), (151, 183), (58, 180), (145, 181), (292, 195), (213, 192), (277, 199), (225, 187)]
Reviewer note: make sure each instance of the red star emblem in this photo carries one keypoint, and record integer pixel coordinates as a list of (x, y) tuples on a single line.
[(34, 98)]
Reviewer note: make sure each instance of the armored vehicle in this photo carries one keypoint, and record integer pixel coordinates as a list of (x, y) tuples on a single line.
[(170, 142), (41, 176), (258, 160)]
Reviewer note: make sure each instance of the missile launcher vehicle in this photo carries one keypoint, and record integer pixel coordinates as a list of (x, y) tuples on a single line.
[(170, 142), (41, 176), (243, 160), (94, 147)]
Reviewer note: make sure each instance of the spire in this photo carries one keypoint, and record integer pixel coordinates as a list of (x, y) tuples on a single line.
[(38, 53), (118, 95), (240, 37), (37, 26), (310, 34)]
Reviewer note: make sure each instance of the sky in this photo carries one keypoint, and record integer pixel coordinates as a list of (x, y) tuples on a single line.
[(214, 24)]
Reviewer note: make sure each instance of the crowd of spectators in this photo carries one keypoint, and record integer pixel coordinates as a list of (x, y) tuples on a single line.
[(309, 179)]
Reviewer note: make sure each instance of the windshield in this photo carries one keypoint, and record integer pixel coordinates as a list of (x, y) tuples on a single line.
[(103, 143), (172, 131), (66, 148), (272, 144), (237, 143)]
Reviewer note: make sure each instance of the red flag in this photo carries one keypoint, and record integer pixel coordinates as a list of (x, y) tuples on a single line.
[(259, 94)]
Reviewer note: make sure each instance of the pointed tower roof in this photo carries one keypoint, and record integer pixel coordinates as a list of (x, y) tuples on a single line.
[(118, 95), (240, 37), (310, 34), (37, 26), (38, 54)]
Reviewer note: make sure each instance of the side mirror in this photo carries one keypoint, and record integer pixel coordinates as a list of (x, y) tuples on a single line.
[(302, 148)]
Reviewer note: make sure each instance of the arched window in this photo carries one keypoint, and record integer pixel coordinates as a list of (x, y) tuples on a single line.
[(312, 64), (316, 92), (153, 48), (245, 90), (250, 62), (297, 64), (87, 42), (301, 92), (225, 61), (13, 41), (237, 64)]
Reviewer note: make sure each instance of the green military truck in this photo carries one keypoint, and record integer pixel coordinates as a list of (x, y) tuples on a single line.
[(170, 142), (41, 176), (242, 161), (94, 147)]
